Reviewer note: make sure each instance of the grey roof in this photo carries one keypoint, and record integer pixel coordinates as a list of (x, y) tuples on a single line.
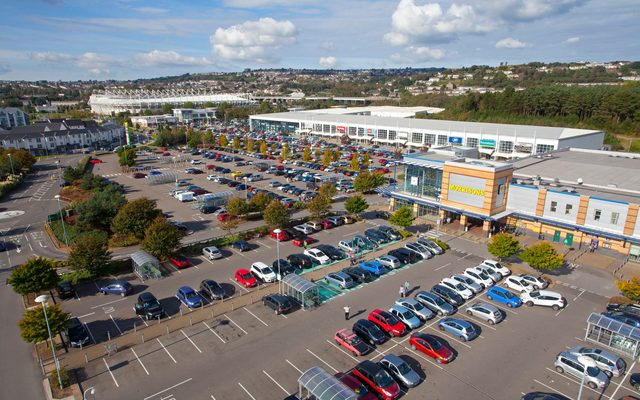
[(542, 132), (614, 326), (142, 258), (298, 283), (325, 386), (50, 129)]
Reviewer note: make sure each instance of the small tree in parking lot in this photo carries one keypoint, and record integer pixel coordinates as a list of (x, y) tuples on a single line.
[(317, 154), (306, 154), (630, 289), (223, 141), (35, 275), (356, 205), (237, 206), (263, 146), (33, 325), (285, 151), (276, 214), (89, 253), (326, 157), (259, 202), (161, 239), (319, 206), (229, 224), (327, 190), (366, 159), (542, 256), (335, 156), (503, 245), (236, 143), (251, 143), (355, 162), (402, 218)]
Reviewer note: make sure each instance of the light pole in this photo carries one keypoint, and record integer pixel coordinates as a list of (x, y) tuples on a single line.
[(59, 177), (246, 188), (277, 232), (64, 229), (587, 362), (91, 390), (43, 299), (11, 162)]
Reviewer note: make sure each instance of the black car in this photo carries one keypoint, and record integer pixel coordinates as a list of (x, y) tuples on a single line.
[(65, 290), (405, 255), (376, 236), (381, 214), (333, 253), (369, 332), (543, 396), (300, 260), (634, 381), (233, 183), (285, 267), (359, 275), (390, 232), (226, 171), (294, 233), (77, 334), (241, 245), (211, 289), (148, 306), (208, 209), (448, 294), (279, 303)]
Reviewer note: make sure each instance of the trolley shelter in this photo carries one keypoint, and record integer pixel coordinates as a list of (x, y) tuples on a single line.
[(304, 292), (218, 199), (162, 177), (618, 336), (316, 383), (145, 265)]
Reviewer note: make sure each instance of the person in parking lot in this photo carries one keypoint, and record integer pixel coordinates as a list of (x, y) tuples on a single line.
[(406, 287), (347, 309), (402, 291)]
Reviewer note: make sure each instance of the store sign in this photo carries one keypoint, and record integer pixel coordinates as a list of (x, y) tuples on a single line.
[(523, 148), (466, 190), (455, 140), (487, 143), (341, 129)]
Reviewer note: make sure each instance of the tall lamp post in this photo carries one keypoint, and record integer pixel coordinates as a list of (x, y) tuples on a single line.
[(277, 232), (587, 362), (11, 162), (64, 229), (43, 299), (91, 390)]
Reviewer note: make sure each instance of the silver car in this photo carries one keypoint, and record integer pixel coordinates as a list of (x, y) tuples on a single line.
[(405, 316), (609, 363), (212, 252), (339, 279), (535, 281), (420, 249), (470, 283), (431, 245), (493, 274), (400, 370), (458, 328), (418, 309), (485, 312), (458, 287), (593, 376), (435, 303), (390, 262)]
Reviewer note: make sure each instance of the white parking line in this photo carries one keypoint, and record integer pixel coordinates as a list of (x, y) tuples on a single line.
[(476, 320), (214, 332), (140, 361), (165, 349), (110, 373), (90, 334), (570, 379), (579, 294), (623, 380), (110, 302), (442, 266), (294, 367), (86, 315), (143, 321), (169, 388), (339, 348), (274, 381), (246, 391), (173, 268), (233, 322), (114, 322), (552, 389), (323, 361), (189, 339), (239, 285), (264, 323), (239, 253), (263, 244)]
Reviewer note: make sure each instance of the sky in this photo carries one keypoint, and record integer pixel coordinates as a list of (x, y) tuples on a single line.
[(129, 39)]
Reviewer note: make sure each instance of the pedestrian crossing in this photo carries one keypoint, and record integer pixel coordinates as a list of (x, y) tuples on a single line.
[(431, 234), (111, 175)]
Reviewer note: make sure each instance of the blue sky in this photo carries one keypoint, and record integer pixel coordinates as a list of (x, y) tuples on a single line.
[(128, 39)]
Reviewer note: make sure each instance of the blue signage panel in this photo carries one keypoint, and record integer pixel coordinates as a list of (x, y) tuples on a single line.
[(455, 140), (487, 143)]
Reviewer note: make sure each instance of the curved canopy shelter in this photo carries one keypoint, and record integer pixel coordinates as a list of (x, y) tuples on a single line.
[(304, 292), (145, 265), (316, 383)]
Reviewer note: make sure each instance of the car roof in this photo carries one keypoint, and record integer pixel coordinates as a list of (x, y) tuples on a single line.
[(146, 296), (186, 289), (259, 264), (398, 308), (393, 359), (370, 366), (491, 307), (242, 271), (498, 289), (549, 293)]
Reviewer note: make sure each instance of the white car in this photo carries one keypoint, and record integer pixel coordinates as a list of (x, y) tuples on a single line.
[(390, 262), (263, 272), (470, 283), (501, 269), (493, 274), (479, 276), (545, 298), (346, 246), (458, 287), (195, 162), (215, 178), (518, 284), (304, 228), (535, 281), (212, 252), (318, 255)]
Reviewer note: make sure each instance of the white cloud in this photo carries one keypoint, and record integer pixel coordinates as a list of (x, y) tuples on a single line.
[(423, 53), (328, 62), (143, 25), (151, 10), (510, 43), (574, 39), (158, 58), (95, 63), (529, 10), (253, 40), (50, 57)]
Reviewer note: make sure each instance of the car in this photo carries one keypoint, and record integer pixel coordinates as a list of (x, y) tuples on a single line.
[(303, 242), (374, 267), (332, 252), (77, 333), (624, 318), (570, 363), (279, 303), (518, 284), (212, 253), (543, 396), (139, 175), (339, 279), (450, 295), (189, 297), (326, 224), (459, 328), (300, 260), (400, 370), (416, 307), (496, 266), (358, 387), (347, 219), (283, 268), (485, 312), (241, 245), (180, 261), (381, 214), (432, 346), (318, 256), (316, 225), (405, 256), (212, 289), (535, 281), (95, 161), (387, 322), (389, 262), (493, 274), (468, 282), (422, 251), (502, 295), (336, 221), (65, 290), (359, 275), (122, 288), (545, 298), (369, 332), (281, 235), (206, 209), (215, 178), (347, 246), (148, 307), (304, 228), (431, 245), (352, 342), (377, 379), (244, 277), (223, 216), (263, 272), (634, 380), (390, 232), (463, 290), (435, 303), (179, 226), (479, 276), (405, 316), (609, 363), (376, 236)]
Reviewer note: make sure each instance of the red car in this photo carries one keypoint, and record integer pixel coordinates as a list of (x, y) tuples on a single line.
[(138, 175), (180, 261), (282, 236), (432, 346), (354, 384), (199, 192), (95, 161), (245, 278), (376, 378), (387, 322), (352, 342), (224, 217), (300, 242), (210, 166), (166, 154)]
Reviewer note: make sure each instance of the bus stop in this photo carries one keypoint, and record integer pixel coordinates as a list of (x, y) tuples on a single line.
[(316, 383), (617, 336), (145, 265), (304, 292)]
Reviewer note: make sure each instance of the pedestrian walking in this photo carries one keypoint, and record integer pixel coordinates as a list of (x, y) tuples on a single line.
[(402, 291), (347, 309), (406, 287)]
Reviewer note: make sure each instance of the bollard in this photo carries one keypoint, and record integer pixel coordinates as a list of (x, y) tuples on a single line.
[(158, 320), (211, 314), (167, 329), (142, 337), (135, 327), (108, 336), (232, 306), (190, 321), (86, 359), (181, 312)]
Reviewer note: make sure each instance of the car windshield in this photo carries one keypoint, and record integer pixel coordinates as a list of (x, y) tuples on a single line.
[(382, 379), (435, 344), (509, 295), (460, 286), (246, 276), (152, 303), (75, 330), (407, 314), (593, 371), (354, 340), (403, 368), (417, 306), (439, 301), (391, 320), (191, 295), (484, 276), (534, 294)]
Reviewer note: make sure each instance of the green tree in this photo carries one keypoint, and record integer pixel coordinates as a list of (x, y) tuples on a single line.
[(503, 245), (365, 181), (259, 202), (402, 218), (188, 104), (276, 214), (319, 206), (237, 206), (135, 217), (223, 141), (335, 156), (236, 143), (356, 205), (127, 157), (89, 253), (327, 190), (161, 238), (366, 159), (317, 154), (542, 256), (326, 158), (33, 325), (35, 275), (263, 146), (167, 108), (630, 289), (285, 151), (355, 162), (100, 209), (306, 154), (251, 143)]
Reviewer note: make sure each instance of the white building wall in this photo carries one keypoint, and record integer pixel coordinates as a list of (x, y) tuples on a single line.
[(606, 208), (562, 200), (594, 141), (522, 199)]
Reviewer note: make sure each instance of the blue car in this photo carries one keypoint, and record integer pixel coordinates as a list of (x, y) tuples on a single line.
[(189, 297), (458, 328), (122, 288), (155, 173), (374, 267), (502, 295), (242, 187), (624, 318)]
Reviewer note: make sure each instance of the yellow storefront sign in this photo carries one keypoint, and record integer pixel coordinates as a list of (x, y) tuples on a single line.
[(466, 189)]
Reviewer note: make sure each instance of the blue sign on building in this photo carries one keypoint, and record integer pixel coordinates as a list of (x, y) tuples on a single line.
[(455, 140)]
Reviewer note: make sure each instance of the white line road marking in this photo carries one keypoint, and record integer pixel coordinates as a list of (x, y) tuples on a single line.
[(463, 257), (263, 323), (114, 322), (140, 361), (580, 294), (274, 381), (339, 348), (165, 349), (169, 388), (189, 339), (239, 285), (110, 302), (475, 320), (552, 389), (623, 380), (233, 322), (296, 368), (246, 391), (214, 332), (110, 373), (90, 334), (570, 379), (213, 398), (442, 266), (263, 244), (323, 361), (86, 315), (143, 321)]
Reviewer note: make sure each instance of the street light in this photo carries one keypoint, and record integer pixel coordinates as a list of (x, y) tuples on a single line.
[(587, 362), (91, 390), (11, 162), (64, 229), (277, 232), (43, 299)]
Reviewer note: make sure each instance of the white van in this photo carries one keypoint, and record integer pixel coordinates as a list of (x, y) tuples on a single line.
[(185, 196)]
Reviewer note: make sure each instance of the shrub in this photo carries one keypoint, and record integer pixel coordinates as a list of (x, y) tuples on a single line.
[(64, 375), (443, 245), (405, 234)]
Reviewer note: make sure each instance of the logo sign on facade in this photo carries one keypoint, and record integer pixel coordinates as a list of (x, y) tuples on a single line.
[(414, 180), (487, 143), (455, 140), (523, 148), (466, 190), (341, 129)]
